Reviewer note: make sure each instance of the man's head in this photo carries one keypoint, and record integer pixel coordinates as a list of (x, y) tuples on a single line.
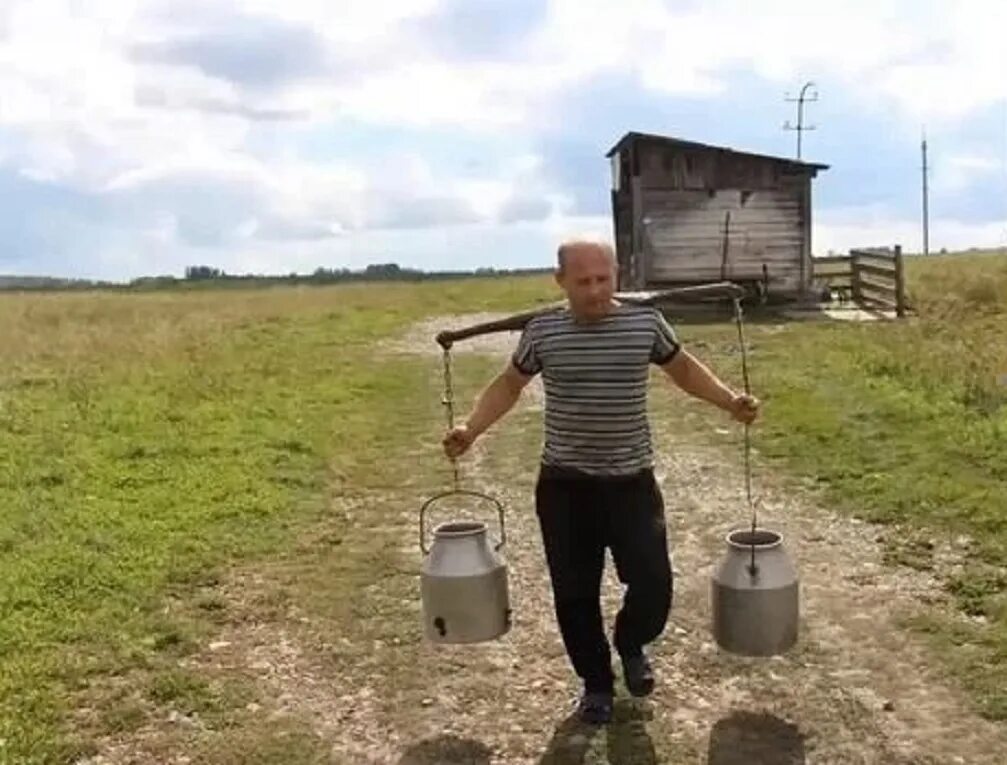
[(586, 273)]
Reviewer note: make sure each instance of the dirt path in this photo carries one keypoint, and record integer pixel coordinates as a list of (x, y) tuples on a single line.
[(857, 689)]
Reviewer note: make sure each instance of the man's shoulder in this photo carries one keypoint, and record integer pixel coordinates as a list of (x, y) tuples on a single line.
[(637, 312), (549, 318)]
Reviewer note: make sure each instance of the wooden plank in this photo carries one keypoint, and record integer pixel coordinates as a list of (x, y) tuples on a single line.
[(805, 214), (883, 289), (621, 259), (712, 271), (640, 266), (829, 259), (703, 219), (834, 274), (662, 249), (886, 273), (876, 293), (668, 243), (724, 198), (876, 283), (877, 259), (869, 299), (874, 252), (691, 260), (825, 265), (730, 198), (855, 277), (708, 229), (685, 229), (665, 248)]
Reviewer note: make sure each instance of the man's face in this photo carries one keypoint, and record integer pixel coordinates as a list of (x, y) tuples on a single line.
[(588, 279)]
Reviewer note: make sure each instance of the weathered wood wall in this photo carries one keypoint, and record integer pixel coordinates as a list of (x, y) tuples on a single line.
[(684, 236), (671, 209)]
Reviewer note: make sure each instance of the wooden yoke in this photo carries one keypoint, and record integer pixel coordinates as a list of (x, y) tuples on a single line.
[(518, 321)]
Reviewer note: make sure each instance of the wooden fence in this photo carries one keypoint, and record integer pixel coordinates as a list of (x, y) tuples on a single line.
[(873, 277)]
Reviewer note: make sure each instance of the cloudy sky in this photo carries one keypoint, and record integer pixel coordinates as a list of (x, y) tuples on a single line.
[(274, 136)]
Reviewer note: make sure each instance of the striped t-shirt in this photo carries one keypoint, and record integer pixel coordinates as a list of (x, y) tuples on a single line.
[(595, 376)]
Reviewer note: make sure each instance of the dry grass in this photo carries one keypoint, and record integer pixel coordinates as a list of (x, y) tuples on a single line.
[(150, 440), (906, 423)]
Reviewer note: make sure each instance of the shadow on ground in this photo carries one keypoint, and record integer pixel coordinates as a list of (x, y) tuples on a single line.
[(743, 738), (627, 740), (446, 750), (747, 738)]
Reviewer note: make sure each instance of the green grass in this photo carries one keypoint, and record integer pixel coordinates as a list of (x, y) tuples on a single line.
[(150, 442), (905, 423)]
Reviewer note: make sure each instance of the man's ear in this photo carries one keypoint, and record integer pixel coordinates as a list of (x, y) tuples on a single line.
[(558, 276)]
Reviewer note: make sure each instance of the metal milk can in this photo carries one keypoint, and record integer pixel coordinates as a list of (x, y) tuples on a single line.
[(754, 590), (755, 598), (463, 581)]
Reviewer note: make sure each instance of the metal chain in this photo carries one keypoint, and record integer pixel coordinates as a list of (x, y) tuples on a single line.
[(748, 440), (449, 405)]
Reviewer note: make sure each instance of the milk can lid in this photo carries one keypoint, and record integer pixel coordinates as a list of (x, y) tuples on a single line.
[(761, 539), (460, 529)]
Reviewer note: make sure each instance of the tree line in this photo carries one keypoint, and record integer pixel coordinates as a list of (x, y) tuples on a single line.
[(196, 275)]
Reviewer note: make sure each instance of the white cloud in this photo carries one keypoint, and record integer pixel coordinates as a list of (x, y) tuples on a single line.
[(166, 139), (77, 68), (931, 62), (284, 200), (843, 229), (957, 172), (422, 94)]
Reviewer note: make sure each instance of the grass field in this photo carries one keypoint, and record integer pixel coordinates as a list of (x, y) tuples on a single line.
[(147, 443), (151, 443), (906, 423)]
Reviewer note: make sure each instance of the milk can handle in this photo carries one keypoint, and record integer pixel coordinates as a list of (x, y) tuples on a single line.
[(438, 497)]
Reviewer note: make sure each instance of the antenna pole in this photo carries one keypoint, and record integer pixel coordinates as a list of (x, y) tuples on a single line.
[(926, 201), (801, 127)]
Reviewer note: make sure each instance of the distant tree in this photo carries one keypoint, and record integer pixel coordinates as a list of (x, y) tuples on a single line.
[(383, 270), (196, 273)]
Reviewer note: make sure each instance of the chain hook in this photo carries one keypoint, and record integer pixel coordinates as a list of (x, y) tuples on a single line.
[(748, 442), (448, 401)]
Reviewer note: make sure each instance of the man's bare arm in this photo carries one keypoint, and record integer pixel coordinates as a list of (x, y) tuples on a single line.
[(496, 399), (492, 403)]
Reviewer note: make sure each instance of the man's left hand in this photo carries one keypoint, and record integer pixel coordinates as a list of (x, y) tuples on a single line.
[(744, 408)]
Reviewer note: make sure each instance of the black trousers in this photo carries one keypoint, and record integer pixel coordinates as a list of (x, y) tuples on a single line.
[(580, 516)]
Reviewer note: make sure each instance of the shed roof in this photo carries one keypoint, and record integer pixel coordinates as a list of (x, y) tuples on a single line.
[(633, 136)]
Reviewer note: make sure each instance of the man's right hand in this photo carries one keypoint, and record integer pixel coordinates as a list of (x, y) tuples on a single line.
[(457, 441)]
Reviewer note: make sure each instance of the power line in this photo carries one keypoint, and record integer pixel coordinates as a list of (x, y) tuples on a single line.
[(801, 127)]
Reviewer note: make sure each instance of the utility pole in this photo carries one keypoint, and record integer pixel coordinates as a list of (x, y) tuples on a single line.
[(926, 201), (801, 127)]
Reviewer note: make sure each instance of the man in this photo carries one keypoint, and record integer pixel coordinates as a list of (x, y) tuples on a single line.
[(596, 486)]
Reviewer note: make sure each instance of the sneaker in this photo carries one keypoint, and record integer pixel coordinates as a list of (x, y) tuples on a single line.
[(595, 707), (638, 674)]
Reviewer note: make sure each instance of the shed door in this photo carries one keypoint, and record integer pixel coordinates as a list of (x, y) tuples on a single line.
[(683, 236)]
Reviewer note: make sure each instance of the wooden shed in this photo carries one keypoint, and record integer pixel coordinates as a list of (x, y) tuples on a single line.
[(691, 213)]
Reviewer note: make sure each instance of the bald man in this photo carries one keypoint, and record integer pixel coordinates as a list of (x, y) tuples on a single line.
[(595, 487)]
